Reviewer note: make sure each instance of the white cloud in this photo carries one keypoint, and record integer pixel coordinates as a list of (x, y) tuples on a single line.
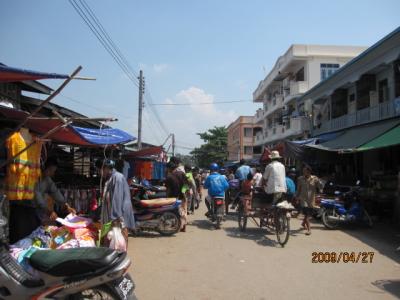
[(159, 68), (242, 85), (202, 105)]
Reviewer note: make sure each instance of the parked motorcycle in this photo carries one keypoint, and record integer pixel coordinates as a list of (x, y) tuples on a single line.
[(216, 214), (161, 215), (346, 208), (81, 273)]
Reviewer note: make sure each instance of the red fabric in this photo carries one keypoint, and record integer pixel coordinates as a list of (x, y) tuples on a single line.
[(143, 169), (65, 135), (145, 152)]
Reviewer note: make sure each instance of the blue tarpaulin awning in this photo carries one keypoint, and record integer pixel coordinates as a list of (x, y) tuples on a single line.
[(104, 136)]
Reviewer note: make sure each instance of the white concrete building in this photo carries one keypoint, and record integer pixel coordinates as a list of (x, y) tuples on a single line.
[(294, 73)]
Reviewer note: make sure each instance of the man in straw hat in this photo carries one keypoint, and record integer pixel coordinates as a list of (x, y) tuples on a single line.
[(275, 177)]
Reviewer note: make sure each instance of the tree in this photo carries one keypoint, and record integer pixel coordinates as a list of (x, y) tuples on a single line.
[(214, 148)]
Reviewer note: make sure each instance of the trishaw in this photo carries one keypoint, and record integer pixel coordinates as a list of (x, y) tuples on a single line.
[(276, 218)]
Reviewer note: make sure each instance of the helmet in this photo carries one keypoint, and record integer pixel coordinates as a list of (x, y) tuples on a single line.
[(214, 167), (100, 163)]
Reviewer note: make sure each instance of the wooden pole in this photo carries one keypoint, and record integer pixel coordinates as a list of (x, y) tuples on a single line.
[(55, 93)]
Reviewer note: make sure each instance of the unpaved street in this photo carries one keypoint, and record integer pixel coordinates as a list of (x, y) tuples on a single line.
[(205, 263)]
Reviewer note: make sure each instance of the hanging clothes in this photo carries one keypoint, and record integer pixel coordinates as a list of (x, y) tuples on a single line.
[(24, 172)]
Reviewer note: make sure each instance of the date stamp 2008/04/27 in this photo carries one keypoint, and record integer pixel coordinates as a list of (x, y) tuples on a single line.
[(342, 257)]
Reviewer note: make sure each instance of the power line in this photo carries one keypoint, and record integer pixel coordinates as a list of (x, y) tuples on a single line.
[(199, 103), (102, 39), (94, 24)]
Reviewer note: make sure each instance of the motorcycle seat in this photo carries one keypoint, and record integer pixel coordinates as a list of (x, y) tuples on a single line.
[(70, 262), (157, 202)]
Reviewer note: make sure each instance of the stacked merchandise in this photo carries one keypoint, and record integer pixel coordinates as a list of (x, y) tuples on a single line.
[(75, 232)]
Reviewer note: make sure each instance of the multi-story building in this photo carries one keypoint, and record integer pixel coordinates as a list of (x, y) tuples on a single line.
[(356, 121), (241, 138), (294, 73)]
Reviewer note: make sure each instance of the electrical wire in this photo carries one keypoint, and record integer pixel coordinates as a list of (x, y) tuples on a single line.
[(110, 49), (199, 103), (94, 24)]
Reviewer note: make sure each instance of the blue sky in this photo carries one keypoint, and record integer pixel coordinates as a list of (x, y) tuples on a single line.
[(190, 51)]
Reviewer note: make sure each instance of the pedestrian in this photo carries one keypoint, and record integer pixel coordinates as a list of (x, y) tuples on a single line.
[(242, 172), (275, 178), (257, 178), (116, 205), (231, 174), (175, 182), (191, 191), (307, 186), (48, 198)]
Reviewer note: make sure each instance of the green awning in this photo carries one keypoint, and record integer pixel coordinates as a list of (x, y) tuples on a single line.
[(390, 138), (351, 139)]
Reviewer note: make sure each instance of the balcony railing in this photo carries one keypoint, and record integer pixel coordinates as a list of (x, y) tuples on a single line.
[(298, 126), (379, 112)]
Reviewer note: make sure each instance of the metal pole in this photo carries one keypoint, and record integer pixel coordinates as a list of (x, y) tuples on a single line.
[(173, 144), (141, 92)]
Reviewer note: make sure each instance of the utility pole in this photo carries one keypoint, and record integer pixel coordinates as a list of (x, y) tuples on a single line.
[(173, 144), (141, 104)]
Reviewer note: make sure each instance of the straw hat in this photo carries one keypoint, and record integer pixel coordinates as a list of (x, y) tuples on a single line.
[(275, 155)]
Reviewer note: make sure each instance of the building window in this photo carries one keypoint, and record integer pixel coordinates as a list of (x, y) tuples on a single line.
[(328, 69), (300, 75), (352, 97), (248, 150), (248, 132)]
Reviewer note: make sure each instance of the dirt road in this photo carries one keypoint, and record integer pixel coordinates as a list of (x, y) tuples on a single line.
[(205, 263)]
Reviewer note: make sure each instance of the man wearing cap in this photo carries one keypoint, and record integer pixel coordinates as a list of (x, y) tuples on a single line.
[(275, 178)]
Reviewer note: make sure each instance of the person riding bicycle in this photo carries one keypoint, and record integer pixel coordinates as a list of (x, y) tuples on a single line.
[(275, 178), (216, 184)]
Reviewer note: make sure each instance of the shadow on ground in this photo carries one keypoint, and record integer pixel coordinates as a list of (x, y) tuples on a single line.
[(261, 236), (383, 237), (391, 286)]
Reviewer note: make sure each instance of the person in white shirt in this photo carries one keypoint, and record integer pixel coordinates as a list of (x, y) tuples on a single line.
[(275, 178), (257, 178)]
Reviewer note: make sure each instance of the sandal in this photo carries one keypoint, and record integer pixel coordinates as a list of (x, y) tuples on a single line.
[(308, 233)]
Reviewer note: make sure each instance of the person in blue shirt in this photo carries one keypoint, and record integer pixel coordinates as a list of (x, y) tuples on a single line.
[(242, 171), (216, 184), (290, 185)]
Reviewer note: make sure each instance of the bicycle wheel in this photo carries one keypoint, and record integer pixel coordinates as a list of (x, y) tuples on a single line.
[(282, 227), (242, 218)]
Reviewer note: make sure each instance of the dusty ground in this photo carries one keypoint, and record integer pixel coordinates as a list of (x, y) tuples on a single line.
[(205, 263)]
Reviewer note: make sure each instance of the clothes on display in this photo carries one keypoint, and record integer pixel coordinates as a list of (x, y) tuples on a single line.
[(83, 200), (24, 172), (148, 170)]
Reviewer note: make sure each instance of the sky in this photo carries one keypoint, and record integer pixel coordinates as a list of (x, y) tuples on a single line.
[(190, 52)]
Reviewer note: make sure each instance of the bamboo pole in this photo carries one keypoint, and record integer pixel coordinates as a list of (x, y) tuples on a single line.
[(55, 93)]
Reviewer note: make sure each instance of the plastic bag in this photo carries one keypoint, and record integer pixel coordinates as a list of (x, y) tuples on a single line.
[(117, 240)]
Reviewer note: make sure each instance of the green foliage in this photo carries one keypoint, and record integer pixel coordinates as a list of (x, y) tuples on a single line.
[(214, 148)]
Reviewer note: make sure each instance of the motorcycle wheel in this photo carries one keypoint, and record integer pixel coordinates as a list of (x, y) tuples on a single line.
[(170, 223), (367, 219), (242, 219), (325, 219), (282, 227), (96, 293), (218, 222)]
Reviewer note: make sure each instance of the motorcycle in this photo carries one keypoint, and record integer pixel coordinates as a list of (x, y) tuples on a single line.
[(232, 195), (346, 208), (216, 214), (161, 215), (79, 273)]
